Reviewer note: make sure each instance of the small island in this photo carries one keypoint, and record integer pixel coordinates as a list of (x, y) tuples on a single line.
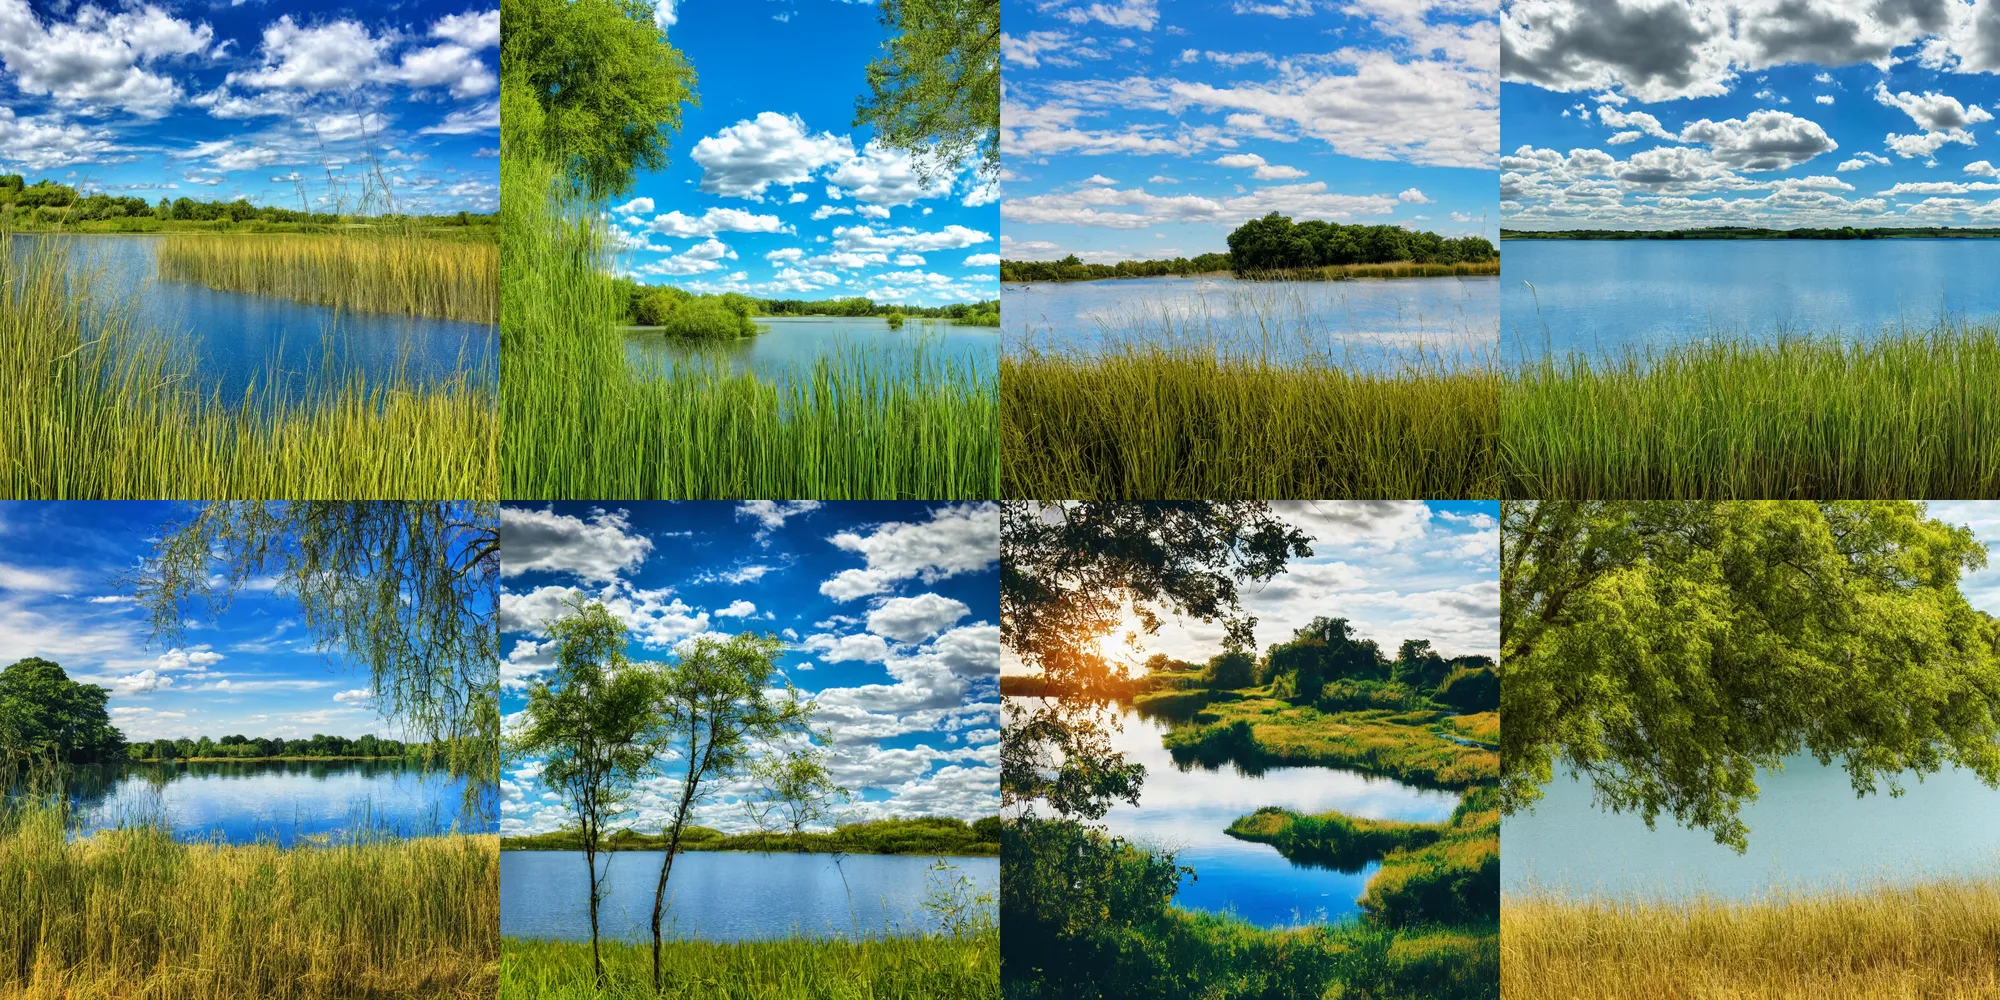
[(1276, 248)]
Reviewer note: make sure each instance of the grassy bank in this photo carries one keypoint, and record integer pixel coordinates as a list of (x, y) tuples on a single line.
[(1937, 940), (1391, 269), (931, 836), (132, 913), (1260, 731), (1445, 872), (582, 422), (893, 968), (1174, 420), (1905, 415), (410, 275), (95, 408)]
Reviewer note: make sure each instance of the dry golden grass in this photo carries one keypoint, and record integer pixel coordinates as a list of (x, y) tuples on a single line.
[(1935, 941), (132, 913), (393, 274)]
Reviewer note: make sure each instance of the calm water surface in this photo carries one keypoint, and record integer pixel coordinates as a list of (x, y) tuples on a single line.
[(1807, 829), (244, 802), (1369, 321), (725, 895), (792, 343), (237, 337), (1187, 812), (1603, 297)]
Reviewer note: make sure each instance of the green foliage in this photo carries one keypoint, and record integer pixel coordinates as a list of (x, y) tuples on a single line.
[(1321, 652), (1668, 650), (606, 88), (1274, 243), (936, 94), (793, 789), (895, 319), (1072, 268), (44, 714), (788, 968), (1470, 689), (1232, 669), (320, 746), (1332, 840), (1087, 918)]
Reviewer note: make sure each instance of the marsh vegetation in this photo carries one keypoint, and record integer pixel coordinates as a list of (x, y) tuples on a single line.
[(395, 274)]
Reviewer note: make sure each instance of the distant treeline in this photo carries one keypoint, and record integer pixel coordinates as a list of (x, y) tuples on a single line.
[(930, 835), (730, 314), (1750, 233), (254, 748), (47, 200), (1275, 246)]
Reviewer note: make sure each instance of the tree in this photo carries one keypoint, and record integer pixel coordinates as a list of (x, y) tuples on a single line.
[(713, 705), (1322, 652), (794, 789), (589, 723), (1665, 651), (204, 747), (1068, 572), (592, 86), (936, 95), (406, 588), (44, 713), (163, 749), (1232, 669)]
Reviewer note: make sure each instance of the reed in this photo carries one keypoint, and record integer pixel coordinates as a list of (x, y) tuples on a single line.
[(1907, 414), (133, 913), (95, 408), (583, 422), (1937, 940), (1178, 421), (795, 968), (444, 279)]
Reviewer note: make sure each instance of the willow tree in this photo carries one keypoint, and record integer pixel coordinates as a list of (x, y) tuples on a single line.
[(1665, 651), (406, 590), (936, 94)]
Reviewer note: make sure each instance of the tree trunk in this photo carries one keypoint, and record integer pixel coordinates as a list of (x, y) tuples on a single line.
[(596, 956)]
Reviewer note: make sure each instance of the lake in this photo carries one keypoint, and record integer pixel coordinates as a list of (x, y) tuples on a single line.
[(239, 337), (1807, 829), (1366, 322), (247, 801), (792, 343), (1187, 811), (1602, 297), (725, 895)]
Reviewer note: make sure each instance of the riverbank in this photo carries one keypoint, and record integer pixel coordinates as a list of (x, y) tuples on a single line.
[(891, 968), (134, 913), (929, 836), (1259, 730), (1909, 414), (1937, 940), (98, 409), (403, 274), (1173, 421)]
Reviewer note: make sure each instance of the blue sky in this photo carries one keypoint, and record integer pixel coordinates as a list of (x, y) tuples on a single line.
[(313, 103), (251, 671), (1138, 129), (770, 191), (1775, 113), (1982, 588), (1395, 569), (889, 613)]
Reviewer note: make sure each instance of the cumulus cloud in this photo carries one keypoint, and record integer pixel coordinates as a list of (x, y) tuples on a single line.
[(957, 539), (1260, 169), (595, 549), (99, 59), (745, 159), (713, 221), (914, 619)]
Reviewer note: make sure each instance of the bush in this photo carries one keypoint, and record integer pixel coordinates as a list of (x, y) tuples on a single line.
[(706, 318), (1471, 690), (1232, 670)]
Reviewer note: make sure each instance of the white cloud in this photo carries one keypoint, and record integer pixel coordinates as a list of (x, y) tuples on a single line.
[(467, 121), (771, 515), (474, 30), (354, 696), (715, 220), (914, 619), (100, 59), (982, 260), (597, 549), (737, 609), (745, 159), (957, 539)]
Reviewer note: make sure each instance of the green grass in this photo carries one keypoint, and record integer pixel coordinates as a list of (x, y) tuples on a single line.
[(582, 422), (1178, 421), (933, 836), (892, 968), (133, 913), (1909, 414), (1331, 840), (388, 274), (1258, 731), (1390, 269), (92, 407)]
